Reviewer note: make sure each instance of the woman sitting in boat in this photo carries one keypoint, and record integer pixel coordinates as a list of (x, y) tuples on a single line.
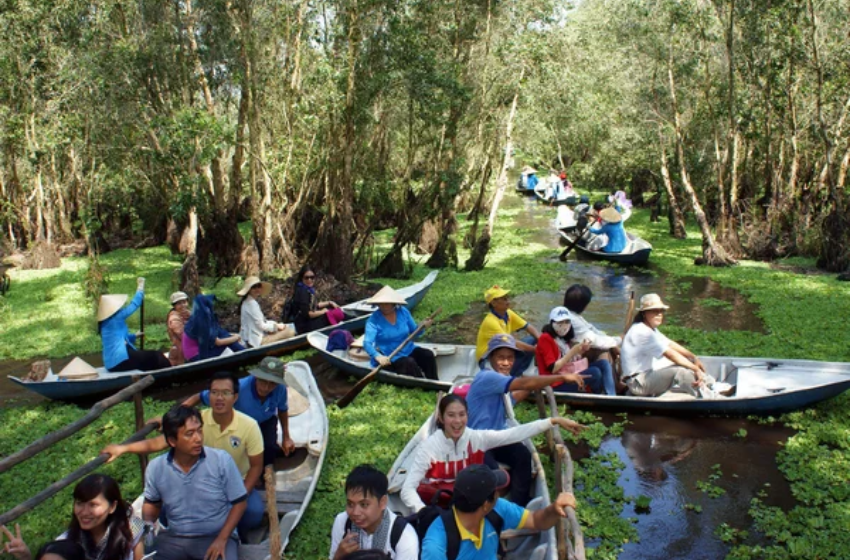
[(310, 314), (652, 363), (610, 233), (102, 524), (175, 323), (558, 351), (119, 351), (602, 347), (387, 328), (256, 330), (453, 447), (203, 337)]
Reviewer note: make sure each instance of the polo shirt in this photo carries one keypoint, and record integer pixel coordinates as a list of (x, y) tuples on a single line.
[(198, 502), (641, 347), (484, 545), (485, 401), (492, 325), (249, 401), (240, 439)]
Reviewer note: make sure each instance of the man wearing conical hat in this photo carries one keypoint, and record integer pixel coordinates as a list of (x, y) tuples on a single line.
[(119, 350), (501, 319)]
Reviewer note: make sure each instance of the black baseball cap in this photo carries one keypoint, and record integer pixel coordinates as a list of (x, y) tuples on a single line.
[(475, 484)]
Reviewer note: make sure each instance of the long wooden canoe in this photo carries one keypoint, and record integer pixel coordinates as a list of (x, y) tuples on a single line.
[(637, 250), (107, 382), (520, 545), (762, 385)]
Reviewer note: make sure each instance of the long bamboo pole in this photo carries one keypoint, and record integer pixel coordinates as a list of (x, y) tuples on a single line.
[(43, 443)]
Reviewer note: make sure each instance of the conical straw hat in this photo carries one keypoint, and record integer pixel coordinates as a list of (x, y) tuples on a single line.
[(528, 170), (297, 402), (252, 281), (387, 295), (610, 215), (109, 305), (78, 369)]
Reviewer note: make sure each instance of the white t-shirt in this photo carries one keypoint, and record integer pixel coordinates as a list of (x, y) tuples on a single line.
[(642, 350), (406, 549)]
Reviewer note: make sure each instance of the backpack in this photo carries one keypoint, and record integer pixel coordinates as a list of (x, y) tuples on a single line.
[(290, 312), (397, 529)]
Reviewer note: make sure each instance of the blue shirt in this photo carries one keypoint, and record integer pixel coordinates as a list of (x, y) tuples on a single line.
[(434, 544), (616, 236), (532, 181), (485, 401), (198, 502), (249, 401), (384, 338), (115, 336)]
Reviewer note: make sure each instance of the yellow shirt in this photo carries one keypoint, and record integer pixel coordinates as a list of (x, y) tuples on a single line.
[(492, 325), (241, 439)]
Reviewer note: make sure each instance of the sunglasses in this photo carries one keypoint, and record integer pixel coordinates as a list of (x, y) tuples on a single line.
[(309, 276)]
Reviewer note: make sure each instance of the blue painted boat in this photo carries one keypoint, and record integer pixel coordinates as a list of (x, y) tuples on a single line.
[(107, 382), (762, 385)]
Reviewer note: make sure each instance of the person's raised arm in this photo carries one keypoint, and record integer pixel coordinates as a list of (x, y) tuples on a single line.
[(16, 545), (543, 519), (521, 386), (146, 446)]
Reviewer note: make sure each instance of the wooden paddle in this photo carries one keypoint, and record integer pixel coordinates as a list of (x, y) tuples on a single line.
[(618, 365), (563, 256), (358, 388)]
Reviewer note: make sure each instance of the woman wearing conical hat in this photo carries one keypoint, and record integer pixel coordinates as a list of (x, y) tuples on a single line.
[(387, 328), (119, 350), (611, 227)]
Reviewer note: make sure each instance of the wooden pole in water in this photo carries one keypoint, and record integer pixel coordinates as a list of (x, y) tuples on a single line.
[(99, 408), (271, 510)]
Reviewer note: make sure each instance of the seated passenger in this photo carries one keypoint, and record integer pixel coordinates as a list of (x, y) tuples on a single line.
[(473, 506), (119, 350), (200, 490), (256, 331), (558, 351), (309, 313), (610, 233), (487, 409), (203, 328), (227, 430), (367, 523), (454, 446), (387, 328), (501, 319), (102, 524), (602, 347), (677, 369), (175, 323)]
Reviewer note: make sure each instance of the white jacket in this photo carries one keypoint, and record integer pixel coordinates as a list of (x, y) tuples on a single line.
[(254, 324), (598, 339), (440, 458)]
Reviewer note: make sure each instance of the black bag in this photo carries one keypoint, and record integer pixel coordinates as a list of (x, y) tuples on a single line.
[(290, 311)]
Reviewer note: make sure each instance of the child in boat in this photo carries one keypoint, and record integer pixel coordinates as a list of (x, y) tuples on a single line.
[(454, 447), (366, 522)]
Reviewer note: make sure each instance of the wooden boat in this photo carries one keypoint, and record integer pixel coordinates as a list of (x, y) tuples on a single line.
[(107, 382), (520, 545), (636, 253), (542, 194), (296, 476), (762, 385)]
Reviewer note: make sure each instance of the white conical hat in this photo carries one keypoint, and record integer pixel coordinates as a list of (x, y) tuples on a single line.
[(78, 369), (109, 305), (297, 402), (387, 295)]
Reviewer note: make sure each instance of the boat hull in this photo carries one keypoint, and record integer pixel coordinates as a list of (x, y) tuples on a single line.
[(638, 255), (109, 383)]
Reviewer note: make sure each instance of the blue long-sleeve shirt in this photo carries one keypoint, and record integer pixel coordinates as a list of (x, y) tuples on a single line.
[(616, 233), (115, 336), (383, 338)]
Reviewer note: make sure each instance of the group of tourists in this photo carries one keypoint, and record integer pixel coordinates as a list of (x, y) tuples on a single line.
[(195, 333)]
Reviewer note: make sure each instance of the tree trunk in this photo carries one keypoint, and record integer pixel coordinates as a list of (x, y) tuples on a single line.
[(677, 220)]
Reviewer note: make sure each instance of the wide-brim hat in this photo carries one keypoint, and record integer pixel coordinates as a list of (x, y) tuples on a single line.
[(528, 170), (177, 297), (495, 293), (109, 305), (78, 369), (387, 295), (270, 369), (610, 215), (252, 281), (651, 301), (499, 341)]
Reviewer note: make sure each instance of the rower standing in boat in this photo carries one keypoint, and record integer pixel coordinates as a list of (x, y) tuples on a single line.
[(175, 323), (226, 429), (487, 408), (387, 328), (501, 319), (256, 331), (119, 351), (677, 368), (311, 314), (610, 235), (454, 446), (367, 523)]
